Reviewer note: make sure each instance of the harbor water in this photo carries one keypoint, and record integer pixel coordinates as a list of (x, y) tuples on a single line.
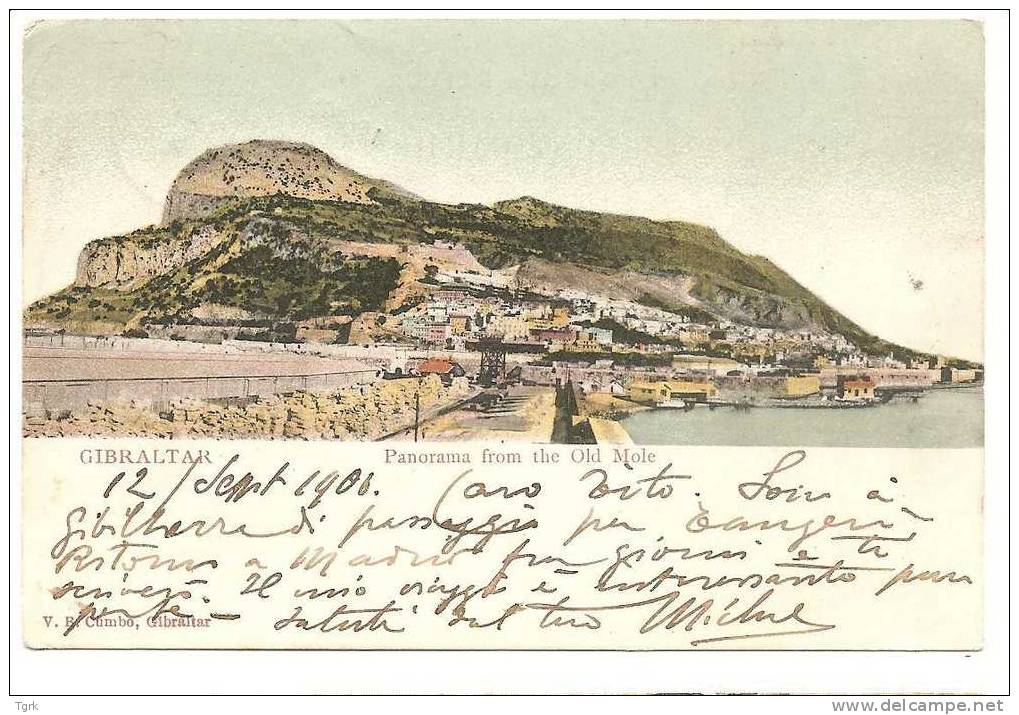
[(949, 418)]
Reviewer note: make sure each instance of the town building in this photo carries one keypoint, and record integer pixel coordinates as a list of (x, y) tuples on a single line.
[(446, 369), (855, 389), (954, 374), (459, 325), (665, 390), (586, 343)]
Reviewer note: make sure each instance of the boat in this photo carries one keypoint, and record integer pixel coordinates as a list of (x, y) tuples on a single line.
[(674, 403)]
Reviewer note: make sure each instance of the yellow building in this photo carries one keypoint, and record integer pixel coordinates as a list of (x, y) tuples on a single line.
[(801, 386), (459, 324), (560, 317), (856, 389), (687, 390), (585, 343), (646, 391)]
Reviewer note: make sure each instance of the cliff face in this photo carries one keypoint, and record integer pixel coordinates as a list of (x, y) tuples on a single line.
[(182, 205), (125, 261), (263, 168)]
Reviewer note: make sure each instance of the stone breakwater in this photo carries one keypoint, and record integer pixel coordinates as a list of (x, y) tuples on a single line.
[(364, 412)]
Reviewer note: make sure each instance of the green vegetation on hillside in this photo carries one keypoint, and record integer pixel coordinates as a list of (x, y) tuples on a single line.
[(502, 235), (299, 288), (77, 303), (512, 231), (275, 289)]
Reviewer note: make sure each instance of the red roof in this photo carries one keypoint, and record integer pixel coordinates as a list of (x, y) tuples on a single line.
[(865, 383), (435, 366)]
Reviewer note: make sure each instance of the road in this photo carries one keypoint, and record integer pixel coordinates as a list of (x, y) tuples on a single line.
[(526, 414)]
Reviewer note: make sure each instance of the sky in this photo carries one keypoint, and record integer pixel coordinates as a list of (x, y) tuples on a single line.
[(848, 152)]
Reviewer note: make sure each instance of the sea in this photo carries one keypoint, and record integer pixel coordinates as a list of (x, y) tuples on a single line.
[(942, 418)]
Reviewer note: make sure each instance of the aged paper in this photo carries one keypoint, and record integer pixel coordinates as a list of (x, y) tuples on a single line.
[(503, 335), (321, 546)]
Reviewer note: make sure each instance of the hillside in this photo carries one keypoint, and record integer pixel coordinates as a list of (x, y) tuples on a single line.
[(263, 168), (260, 243)]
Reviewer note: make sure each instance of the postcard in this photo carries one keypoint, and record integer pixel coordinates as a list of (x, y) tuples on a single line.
[(503, 335)]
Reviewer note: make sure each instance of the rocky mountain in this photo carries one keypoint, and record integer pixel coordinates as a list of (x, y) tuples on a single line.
[(263, 168), (283, 232)]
